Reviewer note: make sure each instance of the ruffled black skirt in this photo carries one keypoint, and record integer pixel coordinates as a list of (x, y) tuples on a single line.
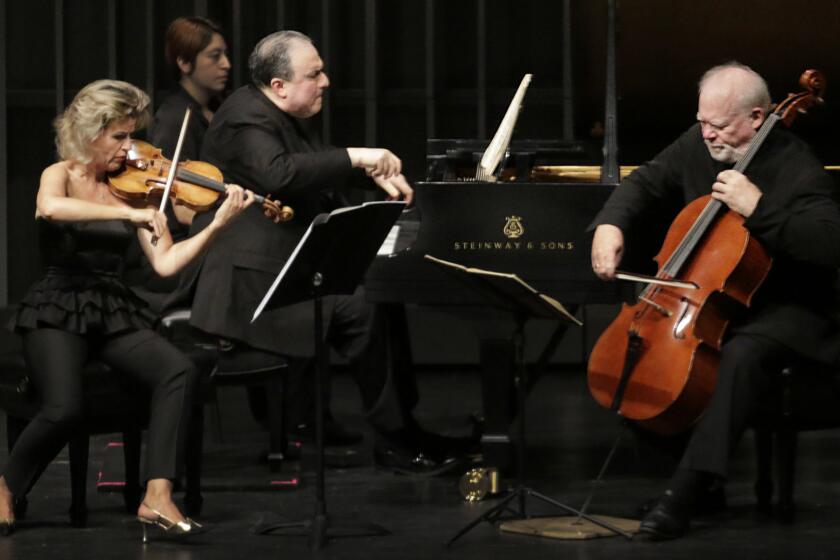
[(82, 303)]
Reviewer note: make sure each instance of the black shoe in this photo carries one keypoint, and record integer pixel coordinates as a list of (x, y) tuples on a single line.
[(7, 527), (709, 502), (669, 519), (457, 446), (412, 461), (414, 434), (335, 434)]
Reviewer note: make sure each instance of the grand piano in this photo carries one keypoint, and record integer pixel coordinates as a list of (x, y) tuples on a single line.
[(535, 229), (530, 219)]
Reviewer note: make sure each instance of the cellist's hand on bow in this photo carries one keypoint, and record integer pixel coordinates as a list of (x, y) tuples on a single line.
[(237, 200), (736, 191), (607, 250)]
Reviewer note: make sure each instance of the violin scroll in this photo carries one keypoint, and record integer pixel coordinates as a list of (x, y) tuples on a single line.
[(796, 103), (276, 211)]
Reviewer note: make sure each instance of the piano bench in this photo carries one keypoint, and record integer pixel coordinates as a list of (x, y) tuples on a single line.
[(249, 367), (224, 364)]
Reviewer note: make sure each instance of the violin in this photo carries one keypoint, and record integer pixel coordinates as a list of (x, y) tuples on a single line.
[(197, 185), (657, 362)]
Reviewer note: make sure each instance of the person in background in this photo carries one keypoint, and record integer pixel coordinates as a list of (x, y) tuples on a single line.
[(197, 58)]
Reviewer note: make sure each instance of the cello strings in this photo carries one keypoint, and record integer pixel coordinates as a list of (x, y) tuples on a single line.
[(707, 216)]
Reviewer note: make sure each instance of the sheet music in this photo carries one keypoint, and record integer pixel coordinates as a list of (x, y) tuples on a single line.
[(319, 219), (508, 295), (499, 144), (282, 273)]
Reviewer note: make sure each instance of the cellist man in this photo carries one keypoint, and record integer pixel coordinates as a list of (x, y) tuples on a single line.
[(786, 200)]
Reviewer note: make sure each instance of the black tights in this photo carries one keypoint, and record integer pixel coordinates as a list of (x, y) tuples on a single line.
[(56, 359)]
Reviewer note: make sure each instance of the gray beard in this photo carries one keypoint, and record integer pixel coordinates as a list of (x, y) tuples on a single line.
[(725, 153)]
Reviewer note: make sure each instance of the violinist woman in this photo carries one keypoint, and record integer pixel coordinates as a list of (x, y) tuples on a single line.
[(80, 309)]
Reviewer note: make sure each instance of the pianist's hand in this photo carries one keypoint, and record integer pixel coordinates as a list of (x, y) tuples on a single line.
[(607, 250), (377, 162), (396, 187)]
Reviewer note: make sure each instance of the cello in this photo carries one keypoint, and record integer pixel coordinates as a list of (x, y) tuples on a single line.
[(656, 363)]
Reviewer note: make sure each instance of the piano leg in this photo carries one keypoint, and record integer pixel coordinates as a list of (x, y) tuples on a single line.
[(499, 403)]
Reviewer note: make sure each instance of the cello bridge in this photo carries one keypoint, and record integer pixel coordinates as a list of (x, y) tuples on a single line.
[(665, 312)]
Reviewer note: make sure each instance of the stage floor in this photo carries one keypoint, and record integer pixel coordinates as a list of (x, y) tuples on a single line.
[(568, 438)]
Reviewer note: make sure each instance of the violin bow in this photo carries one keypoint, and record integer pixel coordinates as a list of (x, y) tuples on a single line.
[(173, 166)]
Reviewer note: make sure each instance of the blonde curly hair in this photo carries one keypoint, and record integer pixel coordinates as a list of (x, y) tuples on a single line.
[(94, 108)]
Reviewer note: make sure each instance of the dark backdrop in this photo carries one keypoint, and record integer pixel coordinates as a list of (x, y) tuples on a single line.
[(405, 70)]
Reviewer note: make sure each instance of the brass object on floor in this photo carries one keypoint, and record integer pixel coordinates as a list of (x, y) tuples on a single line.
[(569, 527), (477, 483)]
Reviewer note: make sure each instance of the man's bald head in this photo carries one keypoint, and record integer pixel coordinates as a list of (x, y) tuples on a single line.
[(736, 83), (731, 107)]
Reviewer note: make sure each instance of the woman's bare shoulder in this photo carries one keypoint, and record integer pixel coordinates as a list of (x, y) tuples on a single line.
[(57, 172)]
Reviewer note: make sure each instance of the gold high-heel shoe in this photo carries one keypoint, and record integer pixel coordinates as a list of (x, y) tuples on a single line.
[(169, 527)]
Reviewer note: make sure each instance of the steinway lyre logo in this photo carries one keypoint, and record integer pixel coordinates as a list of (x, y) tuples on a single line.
[(513, 227)]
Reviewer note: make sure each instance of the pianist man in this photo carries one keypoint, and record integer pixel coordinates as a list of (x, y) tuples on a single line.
[(786, 200), (261, 135)]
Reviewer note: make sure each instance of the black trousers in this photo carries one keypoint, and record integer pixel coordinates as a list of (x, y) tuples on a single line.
[(374, 339), (747, 366), (56, 359)]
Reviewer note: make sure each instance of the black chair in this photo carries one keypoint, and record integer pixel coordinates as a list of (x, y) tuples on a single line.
[(112, 404), (806, 396), (244, 366), (234, 364), (109, 406)]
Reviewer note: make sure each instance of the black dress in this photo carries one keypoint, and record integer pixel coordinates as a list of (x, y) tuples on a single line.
[(81, 291), (80, 310)]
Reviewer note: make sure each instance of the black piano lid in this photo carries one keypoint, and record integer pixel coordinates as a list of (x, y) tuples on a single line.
[(454, 213), (536, 230)]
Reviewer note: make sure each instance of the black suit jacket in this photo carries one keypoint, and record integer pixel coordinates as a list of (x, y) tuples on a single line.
[(797, 220), (259, 147)]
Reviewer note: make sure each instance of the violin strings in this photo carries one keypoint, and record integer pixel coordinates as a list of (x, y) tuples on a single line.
[(200, 180)]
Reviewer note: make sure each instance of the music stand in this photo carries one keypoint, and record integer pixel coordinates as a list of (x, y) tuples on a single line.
[(330, 259), (510, 293)]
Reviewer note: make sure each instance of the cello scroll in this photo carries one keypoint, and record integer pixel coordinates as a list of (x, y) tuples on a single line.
[(798, 103)]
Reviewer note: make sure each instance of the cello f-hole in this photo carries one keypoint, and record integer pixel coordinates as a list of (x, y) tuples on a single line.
[(684, 319)]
